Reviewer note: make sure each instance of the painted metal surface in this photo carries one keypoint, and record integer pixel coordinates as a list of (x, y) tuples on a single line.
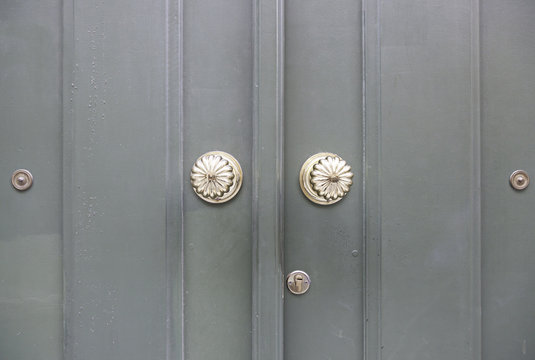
[(30, 221), (430, 273), (323, 112), (217, 104), (112, 255), (115, 235), (507, 92)]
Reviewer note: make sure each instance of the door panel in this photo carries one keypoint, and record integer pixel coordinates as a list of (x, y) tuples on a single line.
[(428, 189), (115, 194), (218, 62), (323, 113), (30, 221), (508, 90)]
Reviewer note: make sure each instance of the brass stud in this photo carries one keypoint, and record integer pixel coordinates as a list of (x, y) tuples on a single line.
[(519, 180), (22, 179)]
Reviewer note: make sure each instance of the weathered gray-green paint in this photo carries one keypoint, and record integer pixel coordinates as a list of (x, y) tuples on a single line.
[(110, 255), (507, 134), (428, 183), (218, 63), (323, 112), (115, 216), (30, 222)]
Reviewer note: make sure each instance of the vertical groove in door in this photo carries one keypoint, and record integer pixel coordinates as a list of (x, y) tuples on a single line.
[(267, 164), (180, 117), (254, 201), (279, 261), (254, 192), (174, 183), (475, 105), (67, 66), (280, 150), (371, 77)]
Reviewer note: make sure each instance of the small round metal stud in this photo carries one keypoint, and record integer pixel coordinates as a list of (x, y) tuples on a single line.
[(22, 179), (519, 180), (216, 177), (325, 178)]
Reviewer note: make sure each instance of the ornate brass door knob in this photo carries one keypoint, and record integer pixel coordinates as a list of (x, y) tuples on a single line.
[(216, 177), (325, 178)]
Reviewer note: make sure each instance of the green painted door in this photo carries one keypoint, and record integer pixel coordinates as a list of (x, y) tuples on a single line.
[(112, 255)]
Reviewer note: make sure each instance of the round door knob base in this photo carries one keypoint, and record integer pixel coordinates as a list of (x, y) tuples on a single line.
[(325, 178), (216, 177)]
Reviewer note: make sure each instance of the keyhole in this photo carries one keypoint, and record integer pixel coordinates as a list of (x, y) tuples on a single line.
[(298, 282)]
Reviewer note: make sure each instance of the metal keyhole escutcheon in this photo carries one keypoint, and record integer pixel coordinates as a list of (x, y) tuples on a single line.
[(298, 282)]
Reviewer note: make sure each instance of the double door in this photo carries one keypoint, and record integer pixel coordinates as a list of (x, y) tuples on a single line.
[(112, 254)]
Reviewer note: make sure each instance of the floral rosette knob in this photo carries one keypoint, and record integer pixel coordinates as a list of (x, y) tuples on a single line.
[(325, 178), (331, 178), (216, 177)]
